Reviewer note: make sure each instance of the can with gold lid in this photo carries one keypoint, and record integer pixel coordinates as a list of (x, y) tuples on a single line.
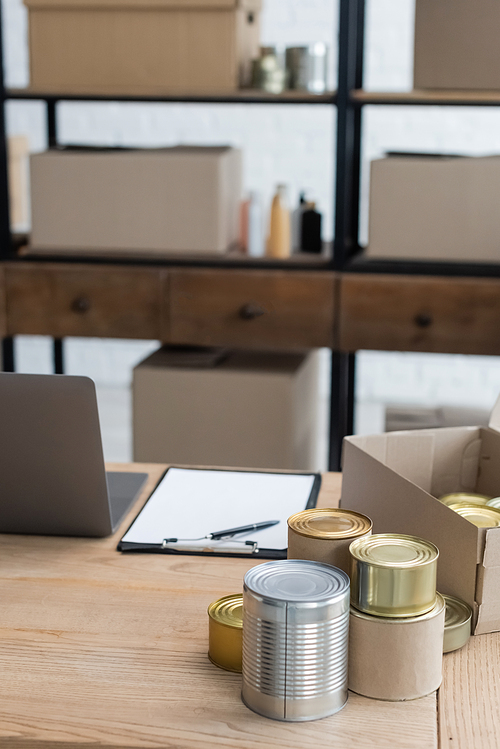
[(481, 516), (396, 659), (457, 624), (225, 628), (495, 502), (468, 497), (393, 575), (324, 535)]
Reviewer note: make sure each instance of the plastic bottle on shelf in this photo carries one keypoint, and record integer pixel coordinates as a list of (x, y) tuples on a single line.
[(310, 235), (279, 239), (297, 222), (255, 227)]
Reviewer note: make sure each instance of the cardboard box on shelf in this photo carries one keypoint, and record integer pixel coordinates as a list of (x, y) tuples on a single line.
[(431, 207), (142, 47), (18, 155), (254, 409), (396, 478), (456, 44), (170, 200)]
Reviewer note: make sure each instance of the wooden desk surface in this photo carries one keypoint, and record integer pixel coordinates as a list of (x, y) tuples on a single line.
[(108, 649)]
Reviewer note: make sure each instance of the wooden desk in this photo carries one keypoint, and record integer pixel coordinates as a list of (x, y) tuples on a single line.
[(104, 649)]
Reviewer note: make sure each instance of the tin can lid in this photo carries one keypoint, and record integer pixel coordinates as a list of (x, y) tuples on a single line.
[(471, 499), (394, 550), (457, 623), (435, 611), (298, 581), (481, 516), (495, 502), (330, 524), (228, 611)]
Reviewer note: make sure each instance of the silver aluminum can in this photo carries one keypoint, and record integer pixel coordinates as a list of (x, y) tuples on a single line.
[(307, 68), (295, 637)]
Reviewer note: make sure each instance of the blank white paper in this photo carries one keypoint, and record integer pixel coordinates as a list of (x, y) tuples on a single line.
[(189, 504)]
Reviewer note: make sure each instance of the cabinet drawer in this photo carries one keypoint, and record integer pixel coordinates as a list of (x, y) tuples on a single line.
[(3, 312), (81, 300), (403, 313), (252, 309)]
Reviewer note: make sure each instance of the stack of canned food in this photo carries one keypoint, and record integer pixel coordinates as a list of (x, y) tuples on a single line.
[(295, 654), (479, 509)]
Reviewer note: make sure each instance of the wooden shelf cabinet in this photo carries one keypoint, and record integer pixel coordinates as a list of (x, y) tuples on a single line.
[(84, 300), (252, 309), (420, 313)]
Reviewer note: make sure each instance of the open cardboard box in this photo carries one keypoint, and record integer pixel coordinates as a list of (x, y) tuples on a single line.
[(395, 479)]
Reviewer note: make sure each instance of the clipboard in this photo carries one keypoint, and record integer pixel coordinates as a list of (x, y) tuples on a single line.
[(190, 503)]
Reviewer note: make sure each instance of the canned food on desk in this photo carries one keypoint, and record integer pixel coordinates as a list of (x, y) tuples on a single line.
[(225, 624), (324, 535), (481, 516), (295, 631), (495, 502), (457, 624), (393, 575), (396, 659), (472, 499)]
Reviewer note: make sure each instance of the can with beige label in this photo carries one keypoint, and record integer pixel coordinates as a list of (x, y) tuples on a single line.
[(324, 535), (396, 659)]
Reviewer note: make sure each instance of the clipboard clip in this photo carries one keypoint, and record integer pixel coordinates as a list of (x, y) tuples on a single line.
[(241, 547)]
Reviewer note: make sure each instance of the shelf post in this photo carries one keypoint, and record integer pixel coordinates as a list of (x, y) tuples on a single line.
[(8, 362), (347, 185), (5, 235), (350, 76), (51, 122)]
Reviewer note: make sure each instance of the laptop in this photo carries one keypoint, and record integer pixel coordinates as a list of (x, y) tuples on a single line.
[(52, 476)]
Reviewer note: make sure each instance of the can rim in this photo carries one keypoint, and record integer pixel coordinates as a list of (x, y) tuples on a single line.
[(461, 605), (434, 611), (357, 545), (332, 535), (486, 511), (215, 607), (469, 497)]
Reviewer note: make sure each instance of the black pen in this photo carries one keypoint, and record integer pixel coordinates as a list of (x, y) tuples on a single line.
[(242, 529), (228, 533)]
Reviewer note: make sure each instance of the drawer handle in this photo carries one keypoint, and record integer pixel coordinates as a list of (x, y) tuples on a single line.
[(250, 311), (423, 320), (81, 304)]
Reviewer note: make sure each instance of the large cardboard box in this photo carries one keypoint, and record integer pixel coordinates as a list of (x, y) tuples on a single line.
[(456, 44), (142, 47), (435, 208), (248, 409), (396, 478), (170, 200), (18, 155)]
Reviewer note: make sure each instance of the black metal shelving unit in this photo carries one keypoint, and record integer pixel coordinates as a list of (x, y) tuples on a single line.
[(349, 99)]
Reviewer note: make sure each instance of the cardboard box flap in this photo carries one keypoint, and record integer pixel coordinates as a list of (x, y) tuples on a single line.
[(491, 554), (411, 457), (494, 422), (179, 5), (396, 505), (488, 619)]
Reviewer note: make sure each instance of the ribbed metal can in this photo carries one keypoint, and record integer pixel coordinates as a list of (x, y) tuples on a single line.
[(295, 638)]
